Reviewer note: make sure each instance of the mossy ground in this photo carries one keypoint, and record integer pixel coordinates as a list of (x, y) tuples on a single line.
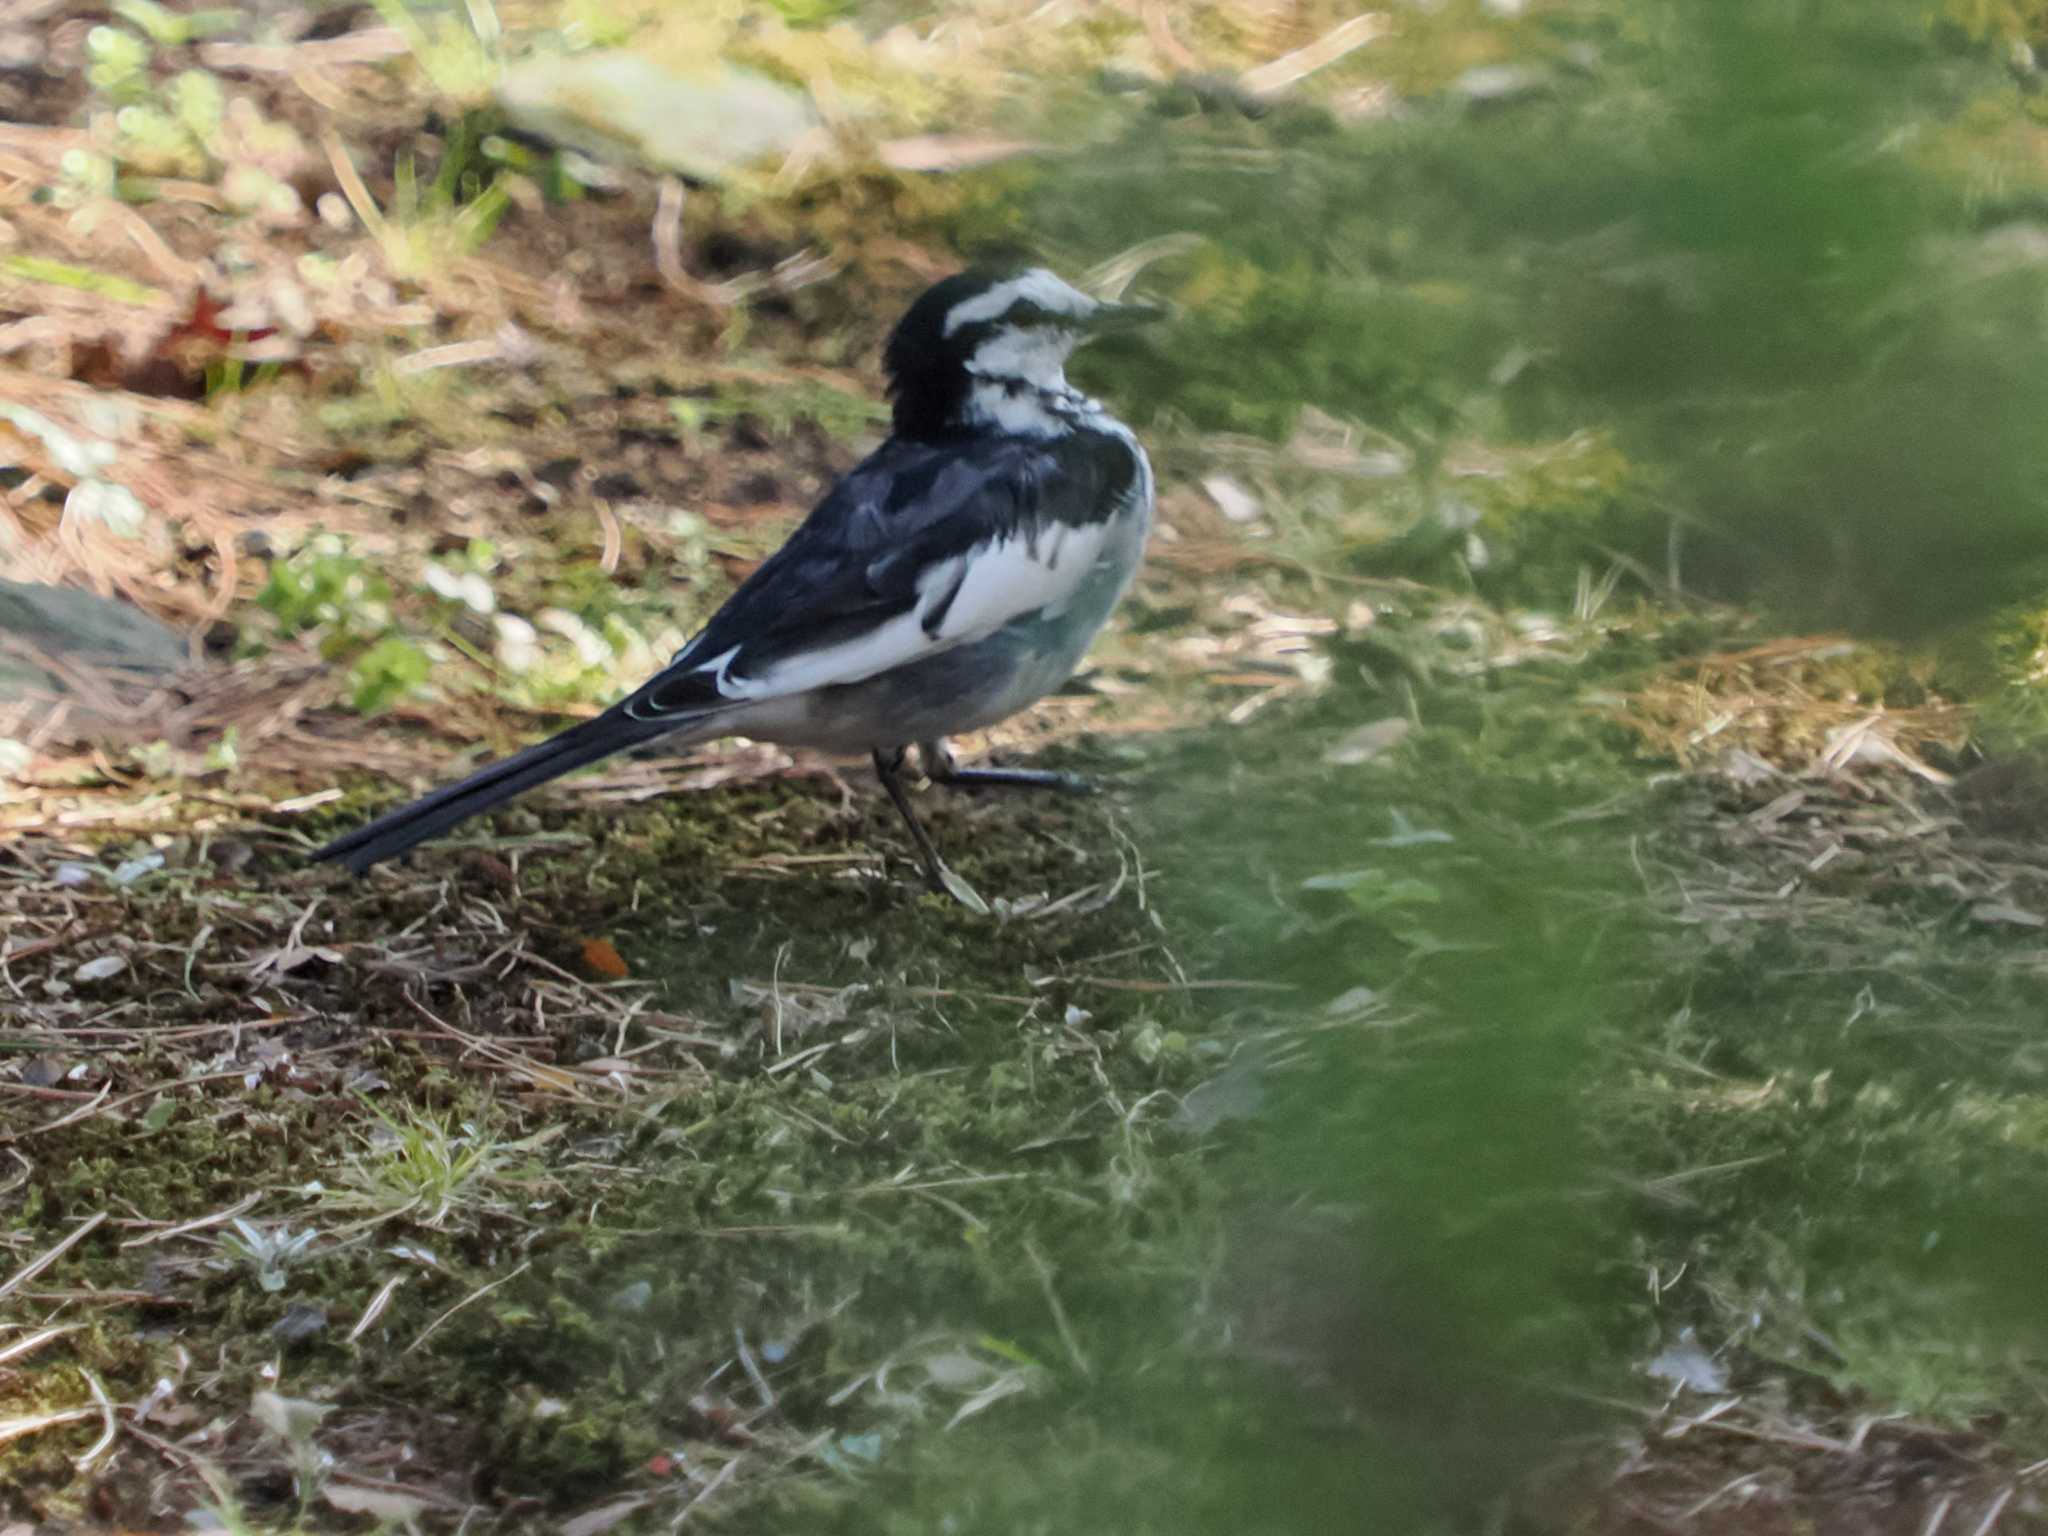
[(840, 1163), (1603, 1107)]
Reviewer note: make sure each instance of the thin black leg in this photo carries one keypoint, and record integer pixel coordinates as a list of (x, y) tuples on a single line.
[(889, 769), (940, 768)]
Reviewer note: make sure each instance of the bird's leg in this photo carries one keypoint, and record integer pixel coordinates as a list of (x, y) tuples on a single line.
[(889, 769), (940, 768)]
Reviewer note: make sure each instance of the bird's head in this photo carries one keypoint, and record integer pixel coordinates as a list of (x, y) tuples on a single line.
[(981, 349)]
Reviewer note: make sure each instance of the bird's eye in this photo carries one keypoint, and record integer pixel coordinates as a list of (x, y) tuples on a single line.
[(1028, 312)]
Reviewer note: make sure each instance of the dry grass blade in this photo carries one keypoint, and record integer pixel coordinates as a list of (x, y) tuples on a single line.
[(36, 1423), (1799, 705), (197, 1224), (22, 1348), (83, 1462), (376, 1307), (1276, 76), (1990, 1520), (474, 1296), (49, 1256)]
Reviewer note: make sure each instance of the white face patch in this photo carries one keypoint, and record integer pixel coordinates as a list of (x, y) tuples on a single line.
[(1035, 354), (1036, 286)]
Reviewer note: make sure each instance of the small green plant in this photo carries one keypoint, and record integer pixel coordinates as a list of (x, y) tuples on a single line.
[(447, 219), (385, 673), (1982, 21), (184, 127), (326, 589), (267, 1252), (292, 1420), (225, 1511), (463, 579), (172, 138), (1393, 901), (117, 63), (432, 225), (324, 585), (426, 1168), (813, 13), (459, 55), (167, 28)]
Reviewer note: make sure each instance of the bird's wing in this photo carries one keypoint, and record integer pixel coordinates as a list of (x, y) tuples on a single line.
[(921, 548)]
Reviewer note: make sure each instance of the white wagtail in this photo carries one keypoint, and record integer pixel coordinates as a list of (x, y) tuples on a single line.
[(955, 576)]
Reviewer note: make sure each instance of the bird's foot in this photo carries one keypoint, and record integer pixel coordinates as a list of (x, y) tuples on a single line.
[(1018, 778), (940, 768), (949, 882)]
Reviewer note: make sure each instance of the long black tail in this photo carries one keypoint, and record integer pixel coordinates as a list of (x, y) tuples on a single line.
[(433, 814)]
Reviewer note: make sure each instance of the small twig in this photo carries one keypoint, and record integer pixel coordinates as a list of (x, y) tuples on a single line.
[(497, 1056), (753, 1370), (1289, 68), (1991, 1515), (163, 1448), (98, 1448), (614, 536), (86, 1111), (371, 45), (667, 234), (1115, 984), (811, 1053), (352, 188), (105, 1298), (376, 1307), (706, 1491)]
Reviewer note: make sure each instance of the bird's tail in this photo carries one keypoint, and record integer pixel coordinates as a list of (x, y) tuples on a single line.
[(431, 815)]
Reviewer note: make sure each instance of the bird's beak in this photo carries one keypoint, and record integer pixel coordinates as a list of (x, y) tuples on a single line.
[(1122, 317)]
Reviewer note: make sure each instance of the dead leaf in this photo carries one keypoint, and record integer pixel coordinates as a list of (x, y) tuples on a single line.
[(289, 957), (950, 152), (2001, 912), (1370, 741), (595, 1522), (1236, 503), (603, 957), (384, 1507)]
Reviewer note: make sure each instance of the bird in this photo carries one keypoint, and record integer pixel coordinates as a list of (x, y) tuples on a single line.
[(952, 578)]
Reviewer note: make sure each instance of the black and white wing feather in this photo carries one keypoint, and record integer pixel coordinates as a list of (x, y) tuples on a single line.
[(923, 547)]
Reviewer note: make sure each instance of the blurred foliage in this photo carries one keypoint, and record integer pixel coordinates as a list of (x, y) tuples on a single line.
[(1997, 20), (456, 48), (1717, 239), (327, 590), (1737, 271), (324, 585), (180, 124), (779, 405), (386, 672)]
